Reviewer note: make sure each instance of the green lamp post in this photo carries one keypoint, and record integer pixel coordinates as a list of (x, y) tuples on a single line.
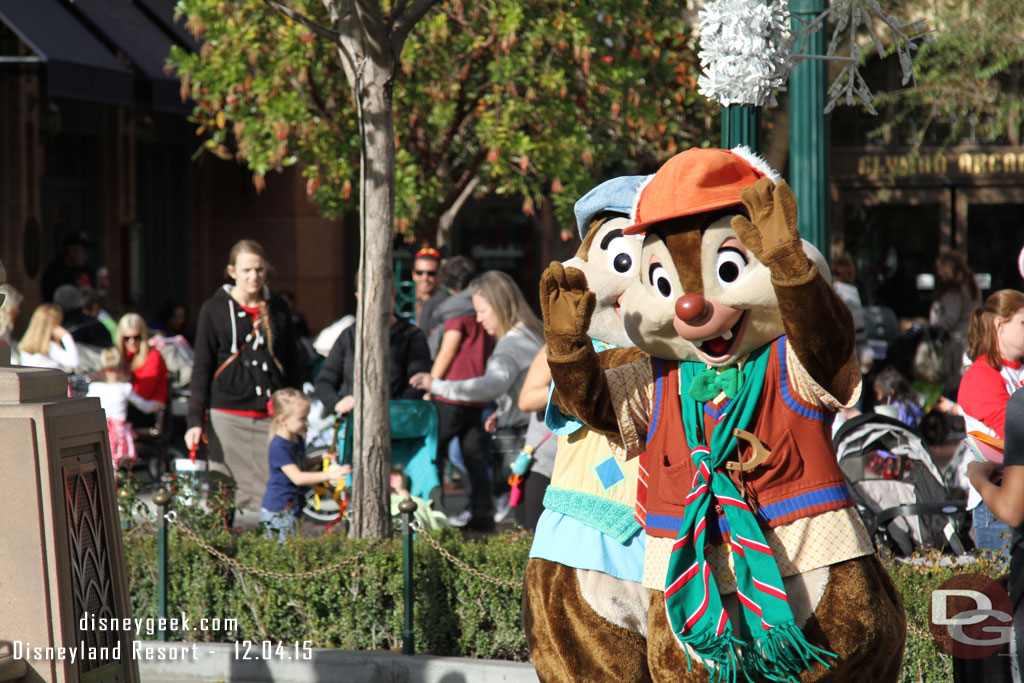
[(741, 125), (808, 130)]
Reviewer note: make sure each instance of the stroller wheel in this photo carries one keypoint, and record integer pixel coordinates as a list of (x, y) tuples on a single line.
[(326, 512)]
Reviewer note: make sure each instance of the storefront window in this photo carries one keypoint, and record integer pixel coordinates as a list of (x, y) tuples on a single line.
[(891, 245), (995, 235)]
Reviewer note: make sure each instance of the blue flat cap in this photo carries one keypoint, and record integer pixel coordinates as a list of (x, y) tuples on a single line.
[(614, 195)]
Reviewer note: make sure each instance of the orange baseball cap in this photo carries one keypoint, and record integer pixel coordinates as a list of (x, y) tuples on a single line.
[(697, 181)]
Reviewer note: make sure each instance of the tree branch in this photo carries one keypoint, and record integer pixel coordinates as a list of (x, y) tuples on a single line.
[(340, 20), (462, 105), (447, 218), (404, 22), (367, 13), (317, 103), (316, 28), (466, 179)]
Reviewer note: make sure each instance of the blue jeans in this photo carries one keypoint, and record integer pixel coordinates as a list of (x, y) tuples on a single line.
[(990, 533), (283, 523)]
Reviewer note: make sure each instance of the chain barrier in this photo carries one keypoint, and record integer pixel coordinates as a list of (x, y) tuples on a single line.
[(144, 526), (172, 517), (417, 527)]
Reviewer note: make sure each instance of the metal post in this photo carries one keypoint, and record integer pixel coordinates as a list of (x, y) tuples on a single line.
[(741, 125), (808, 131), (161, 498), (407, 507)]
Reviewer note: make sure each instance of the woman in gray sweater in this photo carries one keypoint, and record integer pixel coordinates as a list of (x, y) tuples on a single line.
[(503, 312)]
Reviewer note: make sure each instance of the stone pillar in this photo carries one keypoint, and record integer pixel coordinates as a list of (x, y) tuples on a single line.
[(62, 555)]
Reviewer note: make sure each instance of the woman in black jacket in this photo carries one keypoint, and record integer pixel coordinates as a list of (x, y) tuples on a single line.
[(245, 350), (408, 355)]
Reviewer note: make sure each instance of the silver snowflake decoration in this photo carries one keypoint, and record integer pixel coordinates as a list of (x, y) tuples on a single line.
[(847, 17), (743, 51)]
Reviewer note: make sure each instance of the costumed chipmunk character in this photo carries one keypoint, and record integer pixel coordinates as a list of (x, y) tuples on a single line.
[(756, 558), (584, 604)]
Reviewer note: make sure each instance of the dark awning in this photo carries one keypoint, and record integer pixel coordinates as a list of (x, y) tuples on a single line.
[(143, 42), (163, 12), (78, 66)]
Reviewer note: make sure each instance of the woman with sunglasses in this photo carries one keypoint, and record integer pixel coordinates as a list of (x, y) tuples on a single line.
[(145, 364)]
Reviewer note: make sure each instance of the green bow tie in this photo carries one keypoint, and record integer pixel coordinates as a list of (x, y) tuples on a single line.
[(709, 383)]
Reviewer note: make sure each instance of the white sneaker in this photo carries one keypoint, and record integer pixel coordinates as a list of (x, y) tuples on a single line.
[(460, 520), (502, 505)]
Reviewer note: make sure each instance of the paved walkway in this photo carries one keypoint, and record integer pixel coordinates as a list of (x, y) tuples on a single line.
[(244, 663)]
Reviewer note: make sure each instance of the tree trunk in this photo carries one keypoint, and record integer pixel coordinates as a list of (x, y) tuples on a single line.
[(447, 220), (371, 516)]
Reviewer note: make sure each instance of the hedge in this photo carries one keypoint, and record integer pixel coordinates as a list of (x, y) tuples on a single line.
[(457, 612), (359, 606)]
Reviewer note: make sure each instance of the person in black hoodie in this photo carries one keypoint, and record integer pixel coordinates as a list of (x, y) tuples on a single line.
[(408, 355), (245, 351)]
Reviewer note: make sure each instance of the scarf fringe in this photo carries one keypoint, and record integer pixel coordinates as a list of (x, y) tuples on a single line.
[(783, 653), (718, 654)]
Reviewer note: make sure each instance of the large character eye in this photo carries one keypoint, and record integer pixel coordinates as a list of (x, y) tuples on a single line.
[(730, 265), (620, 256), (659, 279)]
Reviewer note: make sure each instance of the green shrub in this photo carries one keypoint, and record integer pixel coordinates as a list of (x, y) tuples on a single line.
[(924, 661), (358, 606)]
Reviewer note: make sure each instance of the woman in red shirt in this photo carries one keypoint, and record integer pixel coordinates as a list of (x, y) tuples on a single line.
[(995, 344), (144, 363)]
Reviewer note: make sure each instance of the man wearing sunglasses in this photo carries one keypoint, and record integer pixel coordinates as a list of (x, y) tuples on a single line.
[(429, 292)]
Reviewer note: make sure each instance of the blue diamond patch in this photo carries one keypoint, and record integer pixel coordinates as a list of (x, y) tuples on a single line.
[(609, 472)]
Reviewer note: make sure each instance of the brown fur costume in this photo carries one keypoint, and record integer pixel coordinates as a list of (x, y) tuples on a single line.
[(583, 625), (859, 616)]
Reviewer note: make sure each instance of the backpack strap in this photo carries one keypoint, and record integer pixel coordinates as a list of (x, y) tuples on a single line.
[(229, 361)]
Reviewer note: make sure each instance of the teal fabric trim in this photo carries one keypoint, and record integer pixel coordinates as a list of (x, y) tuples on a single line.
[(607, 516), (559, 423)]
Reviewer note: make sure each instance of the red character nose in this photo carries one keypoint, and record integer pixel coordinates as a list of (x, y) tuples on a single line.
[(690, 307)]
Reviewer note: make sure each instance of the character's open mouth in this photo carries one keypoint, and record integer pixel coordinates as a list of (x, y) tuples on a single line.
[(722, 346)]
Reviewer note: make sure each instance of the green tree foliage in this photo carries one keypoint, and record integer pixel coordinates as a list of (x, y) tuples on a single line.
[(530, 99), (969, 81)]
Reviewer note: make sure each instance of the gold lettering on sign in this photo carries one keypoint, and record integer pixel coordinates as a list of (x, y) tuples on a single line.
[(893, 165)]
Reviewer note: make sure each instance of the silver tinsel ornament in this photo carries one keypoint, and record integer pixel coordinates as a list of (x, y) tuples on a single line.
[(743, 51)]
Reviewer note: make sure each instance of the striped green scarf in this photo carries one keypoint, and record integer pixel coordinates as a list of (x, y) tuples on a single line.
[(769, 644)]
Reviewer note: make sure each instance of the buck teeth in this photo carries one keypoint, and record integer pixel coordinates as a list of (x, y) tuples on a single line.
[(727, 335)]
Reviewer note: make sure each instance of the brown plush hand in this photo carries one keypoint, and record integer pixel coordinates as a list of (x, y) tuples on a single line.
[(771, 233), (566, 306)]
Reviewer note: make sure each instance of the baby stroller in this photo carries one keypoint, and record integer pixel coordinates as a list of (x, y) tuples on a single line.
[(897, 488), (413, 446)]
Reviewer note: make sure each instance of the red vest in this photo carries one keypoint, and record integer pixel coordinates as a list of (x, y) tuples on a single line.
[(801, 477)]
